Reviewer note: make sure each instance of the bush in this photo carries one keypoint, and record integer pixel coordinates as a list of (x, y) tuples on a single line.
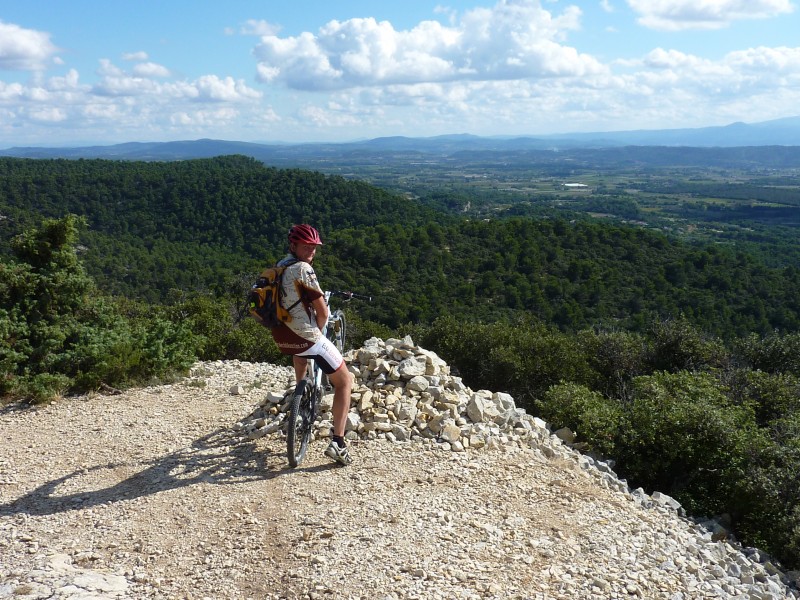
[(615, 358), (359, 330), (677, 345), (772, 395), (252, 342), (682, 435), (223, 331), (59, 335), (767, 500), (594, 418), (42, 387), (524, 358), (773, 353)]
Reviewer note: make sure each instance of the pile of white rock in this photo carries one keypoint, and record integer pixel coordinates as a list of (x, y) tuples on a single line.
[(404, 394)]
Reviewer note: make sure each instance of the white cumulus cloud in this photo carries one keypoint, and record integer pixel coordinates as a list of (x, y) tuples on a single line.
[(674, 15), (259, 27), (24, 49), (514, 39), (10, 92), (68, 82), (739, 73), (137, 56), (776, 60), (204, 118), (150, 69), (50, 114), (142, 81), (137, 101), (216, 89)]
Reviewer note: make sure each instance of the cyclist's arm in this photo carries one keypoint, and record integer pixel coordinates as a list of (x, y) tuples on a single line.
[(320, 311)]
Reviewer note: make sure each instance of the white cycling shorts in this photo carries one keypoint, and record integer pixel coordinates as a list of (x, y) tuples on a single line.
[(325, 354)]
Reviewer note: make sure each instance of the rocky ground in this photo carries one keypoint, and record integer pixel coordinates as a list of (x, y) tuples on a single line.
[(167, 492)]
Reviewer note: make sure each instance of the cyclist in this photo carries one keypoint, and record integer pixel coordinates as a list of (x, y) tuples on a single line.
[(302, 337)]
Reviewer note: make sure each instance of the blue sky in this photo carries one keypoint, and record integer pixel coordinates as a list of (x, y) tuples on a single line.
[(76, 72)]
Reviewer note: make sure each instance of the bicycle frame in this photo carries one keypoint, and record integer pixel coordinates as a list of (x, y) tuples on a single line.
[(308, 392)]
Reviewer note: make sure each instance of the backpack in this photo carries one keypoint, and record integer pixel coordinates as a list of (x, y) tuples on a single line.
[(264, 300)]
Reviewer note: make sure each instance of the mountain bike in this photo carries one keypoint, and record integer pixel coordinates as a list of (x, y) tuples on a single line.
[(308, 393)]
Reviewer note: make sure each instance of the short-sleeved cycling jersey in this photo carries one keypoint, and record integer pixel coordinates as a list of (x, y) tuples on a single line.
[(300, 289)]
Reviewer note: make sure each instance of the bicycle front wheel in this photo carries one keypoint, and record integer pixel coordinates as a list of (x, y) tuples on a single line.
[(302, 412), (339, 331)]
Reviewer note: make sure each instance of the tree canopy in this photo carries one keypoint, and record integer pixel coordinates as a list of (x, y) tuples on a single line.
[(205, 224)]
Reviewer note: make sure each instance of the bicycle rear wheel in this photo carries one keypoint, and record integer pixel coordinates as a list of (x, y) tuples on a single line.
[(302, 412)]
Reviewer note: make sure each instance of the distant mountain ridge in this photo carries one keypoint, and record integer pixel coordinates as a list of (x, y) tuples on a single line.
[(780, 132)]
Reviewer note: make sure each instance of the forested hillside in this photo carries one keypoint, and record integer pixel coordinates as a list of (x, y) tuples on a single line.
[(203, 225), (157, 226)]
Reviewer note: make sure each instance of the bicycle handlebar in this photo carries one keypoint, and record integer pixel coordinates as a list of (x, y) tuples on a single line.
[(349, 295)]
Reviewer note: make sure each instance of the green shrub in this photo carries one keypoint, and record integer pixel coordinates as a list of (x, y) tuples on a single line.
[(252, 342), (533, 360), (683, 436), (223, 331), (60, 336), (524, 358), (167, 348), (615, 358), (210, 319), (42, 387), (595, 418), (359, 330), (766, 505), (772, 395), (773, 353), (677, 345)]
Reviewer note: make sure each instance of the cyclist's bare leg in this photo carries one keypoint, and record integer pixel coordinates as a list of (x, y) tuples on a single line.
[(342, 382), (300, 364)]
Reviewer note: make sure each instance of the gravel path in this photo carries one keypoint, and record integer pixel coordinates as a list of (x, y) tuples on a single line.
[(155, 494)]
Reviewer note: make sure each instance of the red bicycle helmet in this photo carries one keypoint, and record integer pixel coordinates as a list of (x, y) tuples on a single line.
[(304, 234)]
